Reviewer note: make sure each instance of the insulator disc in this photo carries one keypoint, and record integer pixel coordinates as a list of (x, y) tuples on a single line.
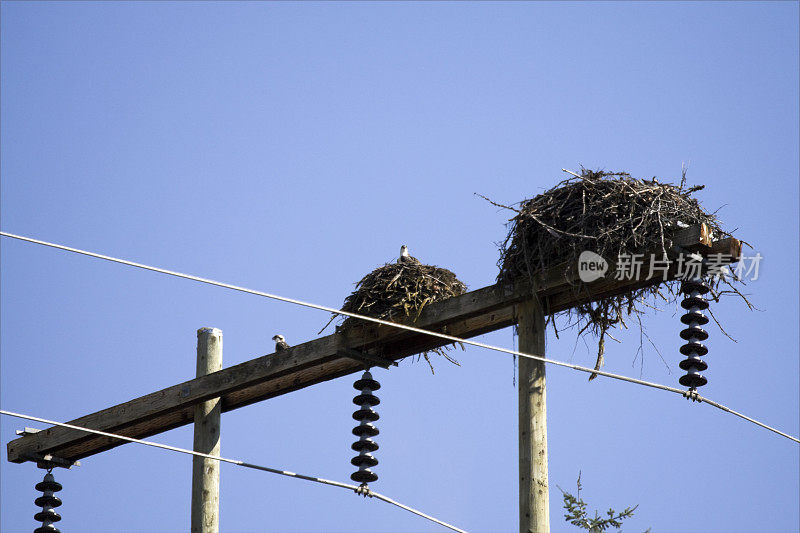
[(47, 501), (370, 384), (365, 430), (364, 476), (49, 515), (694, 347), (363, 459), (694, 331), (694, 301), (365, 445), (366, 414), (366, 399), (695, 285), (694, 316), (692, 380), (48, 484), (49, 528), (699, 364)]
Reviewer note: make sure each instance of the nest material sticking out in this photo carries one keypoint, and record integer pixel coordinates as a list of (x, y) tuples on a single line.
[(397, 290), (609, 213)]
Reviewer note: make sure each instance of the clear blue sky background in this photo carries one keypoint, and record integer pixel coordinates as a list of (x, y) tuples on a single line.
[(292, 147)]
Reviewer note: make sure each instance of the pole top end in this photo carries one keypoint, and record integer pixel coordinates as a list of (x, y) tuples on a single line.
[(209, 331)]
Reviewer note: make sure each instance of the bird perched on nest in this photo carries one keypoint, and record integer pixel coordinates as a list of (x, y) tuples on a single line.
[(280, 343), (405, 258)]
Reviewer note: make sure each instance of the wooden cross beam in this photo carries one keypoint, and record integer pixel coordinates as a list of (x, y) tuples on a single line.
[(471, 314)]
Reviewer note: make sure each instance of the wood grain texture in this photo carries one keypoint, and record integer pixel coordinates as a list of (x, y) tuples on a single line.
[(207, 428), (534, 491)]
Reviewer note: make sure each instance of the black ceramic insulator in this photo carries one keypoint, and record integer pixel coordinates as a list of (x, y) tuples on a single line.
[(366, 383), (695, 362), (694, 285), (364, 459), (364, 476), (48, 502), (693, 380), (694, 301), (366, 399), (694, 331), (365, 445), (49, 528), (365, 430), (365, 415), (49, 515), (694, 349), (694, 316), (48, 484)]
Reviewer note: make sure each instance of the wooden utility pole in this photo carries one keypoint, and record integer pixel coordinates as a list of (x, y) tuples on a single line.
[(534, 497), (207, 415)]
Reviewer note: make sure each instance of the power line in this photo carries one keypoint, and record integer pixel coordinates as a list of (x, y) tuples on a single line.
[(363, 491), (693, 395)]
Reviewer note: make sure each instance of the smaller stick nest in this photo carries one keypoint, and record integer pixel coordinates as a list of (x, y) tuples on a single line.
[(398, 290)]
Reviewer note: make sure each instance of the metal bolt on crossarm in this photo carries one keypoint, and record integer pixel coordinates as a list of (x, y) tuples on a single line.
[(48, 502), (365, 415)]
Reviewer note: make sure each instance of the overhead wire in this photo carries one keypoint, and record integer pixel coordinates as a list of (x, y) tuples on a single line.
[(360, 490), (686, 394)]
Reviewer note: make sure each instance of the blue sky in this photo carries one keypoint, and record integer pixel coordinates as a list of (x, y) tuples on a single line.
[(291, 148)]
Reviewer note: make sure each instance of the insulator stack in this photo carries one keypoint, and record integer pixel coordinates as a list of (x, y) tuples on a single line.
[(365, 430), (48, 502), (694, 334)]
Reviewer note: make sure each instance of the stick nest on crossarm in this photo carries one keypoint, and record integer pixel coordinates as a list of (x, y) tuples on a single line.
[(397, 291), (608, 213)]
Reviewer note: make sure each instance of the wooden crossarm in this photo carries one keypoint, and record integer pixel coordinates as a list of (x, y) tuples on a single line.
[(471, 314)]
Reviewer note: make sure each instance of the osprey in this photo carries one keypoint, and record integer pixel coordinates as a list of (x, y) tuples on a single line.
[(280, 343), (405, 258)]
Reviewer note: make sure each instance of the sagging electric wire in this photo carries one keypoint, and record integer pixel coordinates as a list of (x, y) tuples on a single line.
[(694, 396), (360, 490)]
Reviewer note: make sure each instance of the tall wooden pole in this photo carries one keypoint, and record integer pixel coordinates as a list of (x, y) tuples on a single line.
[(207, 415), (534, 497)]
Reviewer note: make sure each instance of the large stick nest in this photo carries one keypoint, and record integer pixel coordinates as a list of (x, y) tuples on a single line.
[(608, 213), (396, 291), (605, 212)]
